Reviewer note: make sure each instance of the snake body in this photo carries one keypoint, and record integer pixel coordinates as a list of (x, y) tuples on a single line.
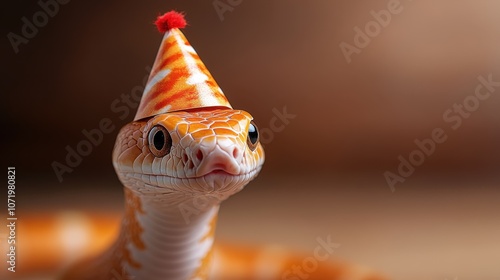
[(172, 199), (178, 160)]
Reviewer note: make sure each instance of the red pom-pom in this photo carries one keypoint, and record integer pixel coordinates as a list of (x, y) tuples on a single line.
[(170, 20)]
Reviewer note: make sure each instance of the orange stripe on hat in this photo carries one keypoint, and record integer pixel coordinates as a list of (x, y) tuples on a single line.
[(179, 80)]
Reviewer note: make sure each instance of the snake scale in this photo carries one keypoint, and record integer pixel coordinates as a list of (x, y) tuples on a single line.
[(186, 151)]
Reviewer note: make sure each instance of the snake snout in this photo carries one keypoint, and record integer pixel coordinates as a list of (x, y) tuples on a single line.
[(219, 159)]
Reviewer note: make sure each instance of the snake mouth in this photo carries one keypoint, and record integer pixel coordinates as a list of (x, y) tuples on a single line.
[(214, 181), (219, 172)]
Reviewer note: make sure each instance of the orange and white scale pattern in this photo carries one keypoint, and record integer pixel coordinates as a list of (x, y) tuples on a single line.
[(173, 248), (172, 230), (202, 141)]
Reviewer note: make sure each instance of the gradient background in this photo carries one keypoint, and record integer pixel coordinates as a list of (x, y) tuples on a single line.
[(324, 172)]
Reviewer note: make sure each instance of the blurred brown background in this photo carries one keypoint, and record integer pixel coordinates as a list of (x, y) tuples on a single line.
[(267, 54), (352, 120)]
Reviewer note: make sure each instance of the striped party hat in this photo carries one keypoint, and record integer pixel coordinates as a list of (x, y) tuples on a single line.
[(179, 80)]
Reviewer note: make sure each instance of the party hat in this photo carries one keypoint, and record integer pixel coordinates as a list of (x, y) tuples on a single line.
[(179, 80)]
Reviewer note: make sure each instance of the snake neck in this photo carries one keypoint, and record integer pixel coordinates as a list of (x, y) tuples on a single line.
[(157, 241)]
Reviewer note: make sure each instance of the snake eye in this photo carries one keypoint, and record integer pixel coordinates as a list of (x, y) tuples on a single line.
[(253, 136), (159, 141)]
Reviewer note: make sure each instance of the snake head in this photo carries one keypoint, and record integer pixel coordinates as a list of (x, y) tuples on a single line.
[(183, 154)]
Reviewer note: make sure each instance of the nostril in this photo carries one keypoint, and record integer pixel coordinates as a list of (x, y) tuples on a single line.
[(184, 158), (199, 155), (235, 153)]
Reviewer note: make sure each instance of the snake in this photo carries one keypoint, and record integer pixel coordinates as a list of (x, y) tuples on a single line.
[(186, 151)]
